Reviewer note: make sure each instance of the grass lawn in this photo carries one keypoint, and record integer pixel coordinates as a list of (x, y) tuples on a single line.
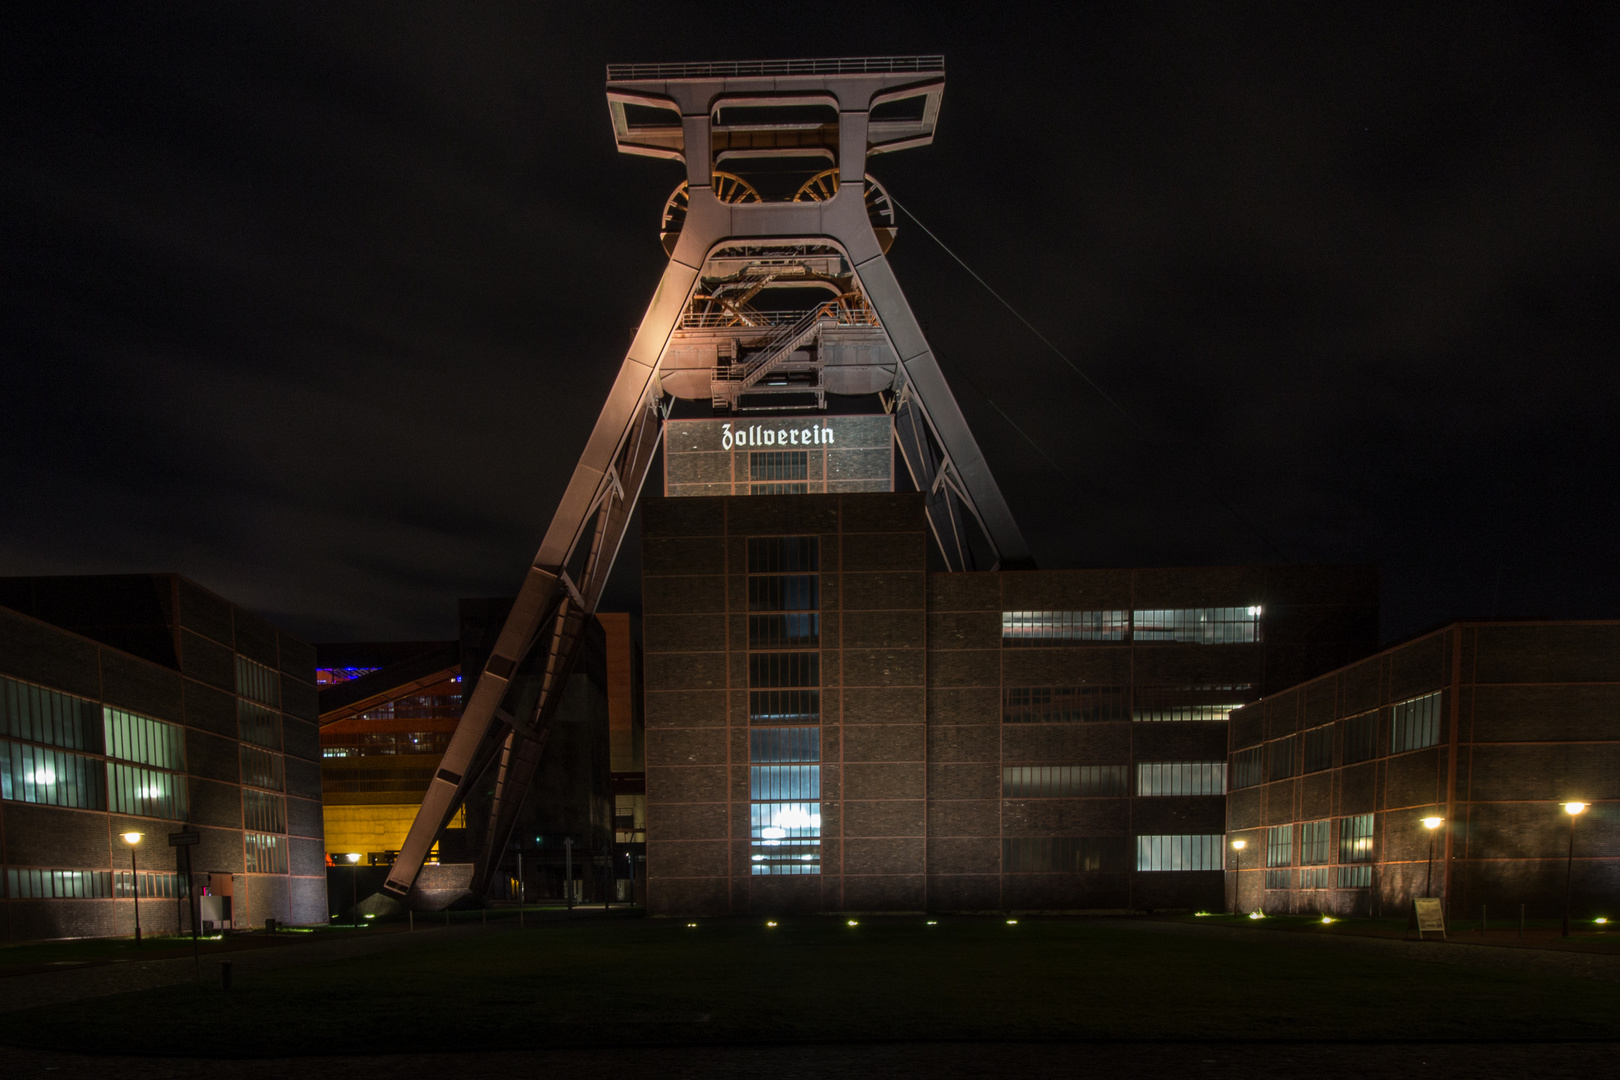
[(623, 982)]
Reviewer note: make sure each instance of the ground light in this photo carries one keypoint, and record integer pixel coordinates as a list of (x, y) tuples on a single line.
[(935, 922), (691, 926), (1257, 915), (1327, 919), (768, 925), (1600, 922), (1012, 922), (852, 922)]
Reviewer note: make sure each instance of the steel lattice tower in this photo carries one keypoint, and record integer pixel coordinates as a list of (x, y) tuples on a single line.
[(737, 127)]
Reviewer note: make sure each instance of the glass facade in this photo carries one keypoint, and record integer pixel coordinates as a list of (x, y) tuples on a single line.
[(1063, 855), (28, 884), (1064, 704), (1064, 781), (38, 714), (1170, 852), (1196, 626), (36, 774), (1181, 778), (1415, 724)]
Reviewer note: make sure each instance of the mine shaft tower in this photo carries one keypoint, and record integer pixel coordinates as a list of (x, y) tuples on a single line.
[(776, 203)]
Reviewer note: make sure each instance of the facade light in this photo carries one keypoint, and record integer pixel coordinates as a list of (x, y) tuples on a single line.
[(1433, 822), (353, 857), (1573, 808), (132, 838), (1239, 845)]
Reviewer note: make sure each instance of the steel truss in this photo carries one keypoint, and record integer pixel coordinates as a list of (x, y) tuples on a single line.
[(698, 118)]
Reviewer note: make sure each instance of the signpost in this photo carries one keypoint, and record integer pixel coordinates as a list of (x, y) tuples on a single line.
[(1429, 917), (185, 841)]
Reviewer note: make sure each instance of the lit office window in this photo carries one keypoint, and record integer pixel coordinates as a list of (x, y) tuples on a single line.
[(1064, 781), (1199, 852), (1355, 877), (1213, 714), (784, 554), (778, 782), (1249, 767), (1197, 626), (263, 812), (22, 884), (264, 854), (1360, 737), (1206, 703), (258, 725), (786, 837), (153, 886), (1281, 754), (1315, 847), (1319, 749), (146, 792), (1055, 628), (1356, 839), (1063, 704), (34, 774), (144, 740), (1415, 723), (258, 683), (1181, 778), (1280, 845), (784, 706), (38, 714), (1063, 854), (261, 768), (1315, 877), (787, 631)]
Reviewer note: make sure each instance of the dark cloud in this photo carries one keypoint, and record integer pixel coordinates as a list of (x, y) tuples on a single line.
[(317, 304)]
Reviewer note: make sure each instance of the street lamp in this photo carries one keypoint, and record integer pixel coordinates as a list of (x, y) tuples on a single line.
[(1433, 825), (1237, 878), (133, 839), (353, 858), (1573, 809)]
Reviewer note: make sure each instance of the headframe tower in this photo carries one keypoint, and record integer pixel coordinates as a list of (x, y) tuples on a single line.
[(776, 201)]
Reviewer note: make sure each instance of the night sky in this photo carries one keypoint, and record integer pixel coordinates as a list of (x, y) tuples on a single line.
[(316, 304)]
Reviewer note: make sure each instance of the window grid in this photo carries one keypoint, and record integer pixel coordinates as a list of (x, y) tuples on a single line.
[(784, 744), (1315, 847), (39, 714), (1355, 877), (1064, 781), (1316, 877), (1356, 839), (1063, 704), (264, 853), (258, 683), (263, 812), (27, 884), (775, 783), (33, 774), (143, 740), (1049, 628), (1181, 778), (1063, 855), (1197, 626), (800, 488), (1415, 724), (778, 670), (143, 792), (258, 725), (153, 885), (784, 706), (786, 838), (1360, 737), (778, 465), (261, 768), (1279, 879), (1319, 749), (786, 631), (1282, 764), (1280, 845), (1176, 853), (1249, 767), (784, 554)]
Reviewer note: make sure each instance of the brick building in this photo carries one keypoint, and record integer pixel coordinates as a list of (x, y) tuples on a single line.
[(145, 703), (1489, 726), (830, 726)]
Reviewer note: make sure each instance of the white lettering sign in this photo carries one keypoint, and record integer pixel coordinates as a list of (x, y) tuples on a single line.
[(758, 435)]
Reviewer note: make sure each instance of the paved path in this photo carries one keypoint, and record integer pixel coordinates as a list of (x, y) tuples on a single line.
[(1524, 961), (100, 980), (925, 1061)]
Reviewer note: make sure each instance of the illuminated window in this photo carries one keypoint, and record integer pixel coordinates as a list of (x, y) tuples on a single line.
[(1315, 877), (153, 886), (34, 774), (146, 792), (1356, 839), (1319, 749), (1249, 767), (263, 812), (1197, 626), (1315, 846), (1063, 704), (41, 715), (1360, 737), (1063, 855), (1053, 628), (1197, 852), (1415, 724), (264, 854), (1181, 778), (1355, 877), (58, 884), (1281, 755), (785, 631), (144, 740), (1064, 781), (1280, 845), (258, 683)]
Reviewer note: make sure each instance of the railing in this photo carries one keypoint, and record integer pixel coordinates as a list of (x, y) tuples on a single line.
[(850, 65), (724, 320)]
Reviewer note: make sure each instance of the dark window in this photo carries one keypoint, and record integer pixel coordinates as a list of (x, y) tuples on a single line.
[(1280, 845), (1319, 749), (783, 554), (782, 669), (784, 631), (261, 768), (1249, 767), (1282, 758), (258, 725), (1279, 879), (784, 706), (778, 465), (1315, 877), (58, 884), (784, 592), (1355, 877), (1415, 724), (1064, 781), (1360, 737), (1063, 704), (1063, 854), (258, 683), (37, 714), (1209, 703), (263, 812)]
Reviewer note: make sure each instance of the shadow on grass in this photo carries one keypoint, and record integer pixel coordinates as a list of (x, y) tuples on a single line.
[(621, 983)]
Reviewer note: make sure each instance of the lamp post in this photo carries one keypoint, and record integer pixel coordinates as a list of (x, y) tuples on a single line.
[(1433, 825), (353, 859), (1573, 809), (1237, 878), (133, 839)]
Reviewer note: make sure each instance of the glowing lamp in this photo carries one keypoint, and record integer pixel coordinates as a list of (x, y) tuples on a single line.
[(1012, 922), (1239, 845), (852, 922), (770, 924), (1573, 808), (1433, 822), (132, 838), (1327, 919), (353, 856)]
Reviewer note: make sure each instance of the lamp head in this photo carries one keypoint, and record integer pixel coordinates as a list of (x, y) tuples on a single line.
[(1239, 845), (353, 856), (132, 838), (1573, 808), (1432, 823)]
